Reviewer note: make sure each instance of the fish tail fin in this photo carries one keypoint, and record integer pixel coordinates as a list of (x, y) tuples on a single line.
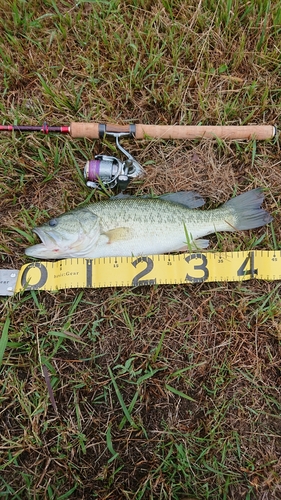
[(248, 211)]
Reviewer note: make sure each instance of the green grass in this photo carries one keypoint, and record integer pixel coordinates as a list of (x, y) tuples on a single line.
[(161, 392)]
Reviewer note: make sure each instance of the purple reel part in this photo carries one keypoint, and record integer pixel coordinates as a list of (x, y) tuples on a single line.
[(102, 170), (93, 170)]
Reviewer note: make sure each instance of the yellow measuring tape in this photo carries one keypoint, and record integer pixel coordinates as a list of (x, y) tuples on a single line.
[(154, 269)]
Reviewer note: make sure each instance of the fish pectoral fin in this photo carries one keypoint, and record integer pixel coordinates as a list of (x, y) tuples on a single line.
[(194, 245), (118, 234)]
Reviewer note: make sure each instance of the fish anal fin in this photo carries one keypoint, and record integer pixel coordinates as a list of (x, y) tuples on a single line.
[(200, 244)]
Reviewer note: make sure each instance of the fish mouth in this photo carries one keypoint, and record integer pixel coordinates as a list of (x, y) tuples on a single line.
[(59, 245), (47, 240), (48, 245)]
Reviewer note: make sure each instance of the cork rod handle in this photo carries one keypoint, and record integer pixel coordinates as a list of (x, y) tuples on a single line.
[(230, 132)]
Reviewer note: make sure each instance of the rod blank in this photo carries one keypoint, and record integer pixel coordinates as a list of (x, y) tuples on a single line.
[(93, 130)]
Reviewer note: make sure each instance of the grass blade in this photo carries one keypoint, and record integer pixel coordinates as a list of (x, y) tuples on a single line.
[(110, 445), (67, 335), (179, 393), (121, 401), (49, 386), (4, 339)]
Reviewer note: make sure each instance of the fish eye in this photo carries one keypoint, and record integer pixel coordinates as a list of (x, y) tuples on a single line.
[(53, 222)]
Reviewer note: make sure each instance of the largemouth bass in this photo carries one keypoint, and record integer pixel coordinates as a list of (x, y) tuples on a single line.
[(144, 225)]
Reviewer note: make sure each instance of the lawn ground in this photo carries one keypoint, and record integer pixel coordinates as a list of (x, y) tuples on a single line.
[(160, 392)]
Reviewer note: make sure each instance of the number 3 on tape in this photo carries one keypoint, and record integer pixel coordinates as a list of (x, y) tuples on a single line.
[(202, 266)]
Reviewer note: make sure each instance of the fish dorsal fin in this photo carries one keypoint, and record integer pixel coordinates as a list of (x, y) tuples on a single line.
[(189, 199), (121, 196)]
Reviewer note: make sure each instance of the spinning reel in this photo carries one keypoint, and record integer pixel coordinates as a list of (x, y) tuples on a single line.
[(110, 171)]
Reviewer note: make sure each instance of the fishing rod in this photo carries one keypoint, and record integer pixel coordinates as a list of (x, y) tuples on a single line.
[(110, 171)]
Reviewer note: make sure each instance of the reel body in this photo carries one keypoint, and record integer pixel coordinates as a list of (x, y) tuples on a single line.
[(110, 171)]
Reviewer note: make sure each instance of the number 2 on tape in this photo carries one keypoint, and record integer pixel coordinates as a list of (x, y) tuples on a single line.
[(149, 266)]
